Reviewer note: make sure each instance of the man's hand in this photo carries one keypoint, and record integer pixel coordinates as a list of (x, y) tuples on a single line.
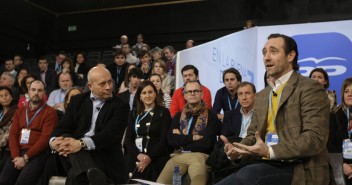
[(56, 143), (59, 106), (69, 146), (144, 161), (229, 149), (259, 148), (19, 162), (176, 131), (347, 170)]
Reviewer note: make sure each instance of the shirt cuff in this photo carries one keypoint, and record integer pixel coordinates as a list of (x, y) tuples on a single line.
[(89, 142), (272, 154)]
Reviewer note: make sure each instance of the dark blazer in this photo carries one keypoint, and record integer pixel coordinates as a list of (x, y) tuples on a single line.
[(338, 131), (109, 129), (83, 69), (51, 82), (232, 122), (221, 101), (157, 149), (113, 70), (302, 124)]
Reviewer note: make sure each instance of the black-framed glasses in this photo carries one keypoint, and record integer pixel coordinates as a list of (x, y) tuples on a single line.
[(195, 92)]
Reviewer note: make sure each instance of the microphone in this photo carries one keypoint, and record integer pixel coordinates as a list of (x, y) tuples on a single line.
[(98, 108), (274, 93)]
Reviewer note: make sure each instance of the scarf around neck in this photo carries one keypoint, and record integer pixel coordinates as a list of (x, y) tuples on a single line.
[(201, 123)]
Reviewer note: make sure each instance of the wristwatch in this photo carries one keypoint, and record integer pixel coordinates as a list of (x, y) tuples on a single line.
[(25, 158), (82, 144)]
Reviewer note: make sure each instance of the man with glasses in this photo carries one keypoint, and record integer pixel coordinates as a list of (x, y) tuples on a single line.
[(60, 56), (193, 135), (189, 73)]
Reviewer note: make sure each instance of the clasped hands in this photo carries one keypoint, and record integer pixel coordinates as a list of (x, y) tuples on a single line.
[(65, 146), (235, 150), (143, 161)]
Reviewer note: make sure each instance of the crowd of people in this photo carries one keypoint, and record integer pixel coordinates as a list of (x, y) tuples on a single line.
[(111, 124)]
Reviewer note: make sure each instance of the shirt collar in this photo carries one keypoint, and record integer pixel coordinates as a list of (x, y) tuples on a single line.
[(282, 79), (248, 113)]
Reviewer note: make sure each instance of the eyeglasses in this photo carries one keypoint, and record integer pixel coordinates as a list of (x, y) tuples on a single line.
[(195, 92)]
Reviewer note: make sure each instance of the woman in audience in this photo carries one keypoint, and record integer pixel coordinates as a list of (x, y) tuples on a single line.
[(19, 76), (126, 81), (24, 98), (341, 129), (72, 92), (7, 110), (146, 149), (81, 68), (320, 75), (165, 98), (159, 67), (67, 67)]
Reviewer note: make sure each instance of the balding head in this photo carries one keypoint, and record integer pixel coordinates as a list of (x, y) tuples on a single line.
[(100, 82)]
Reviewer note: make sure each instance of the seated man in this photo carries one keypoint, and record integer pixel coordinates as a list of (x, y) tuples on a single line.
[(226, 97), (90, 133), (29, 135), (56, 97), (193, 134), (189, 73)]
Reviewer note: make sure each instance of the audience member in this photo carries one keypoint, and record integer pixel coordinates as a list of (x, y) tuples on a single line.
[(249, 24), (8, 80), (25, 83), (88, 138), (189, 44), (340, 134), (56, 65), (10, 67), (165, 98), (125, 85), (157, 53), (145, 64), (137, 48), (145, 47), (170, 56), (81, 68), (189, 73), (123, 40), (193, 134), (289, 125), (321, 76), (46, 75), (28, 140), (18, 61), (226, 97), (118, 68), (146, 135), (126, 49), (8, 108), (168, 82), (20, 75), (67, 67), (71, 92), (134, 76), (56, 98)]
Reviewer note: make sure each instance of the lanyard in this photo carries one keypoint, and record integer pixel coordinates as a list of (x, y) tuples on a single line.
[(348, 123), (1, 115), (270, 105), (228, 101), (245, 124), (137, 121), (35, 115), (189, 124)]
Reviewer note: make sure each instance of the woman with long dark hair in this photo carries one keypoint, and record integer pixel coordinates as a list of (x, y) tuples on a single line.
[(146, 148)]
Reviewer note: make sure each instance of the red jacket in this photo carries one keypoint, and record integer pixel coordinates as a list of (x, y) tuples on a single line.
[(41, 130), (178, 101)]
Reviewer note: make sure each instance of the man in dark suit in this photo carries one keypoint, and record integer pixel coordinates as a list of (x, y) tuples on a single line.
[(118, 68), (56, 65), (46, 75), (90, 133), (289, 127)]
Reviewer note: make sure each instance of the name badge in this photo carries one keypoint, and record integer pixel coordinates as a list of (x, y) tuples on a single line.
[(271, 139), (347, 149), (25, 133), (139, 143)]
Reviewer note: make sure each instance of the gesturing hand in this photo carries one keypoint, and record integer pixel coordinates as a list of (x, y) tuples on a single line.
[(259, 148), (229, 149)]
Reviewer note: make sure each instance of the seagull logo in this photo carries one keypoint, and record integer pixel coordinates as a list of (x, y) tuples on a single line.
[(332, 70)]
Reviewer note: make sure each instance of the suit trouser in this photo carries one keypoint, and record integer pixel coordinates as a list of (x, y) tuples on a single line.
[(29, 174), (192, 162)]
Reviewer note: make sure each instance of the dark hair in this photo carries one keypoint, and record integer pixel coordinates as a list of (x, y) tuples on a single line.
[(126, 79), (191, 81), (69, 61), (42, 58), (68, 93), (137, 99), (61, 52), (18, 55), (9, 59), (18, 84), (325, 74), (162, 65), (8, 89), (13, 106), (38, 81), (160, 93), (142, 53), (172, 50), (24, 88), (242, 84), (289, 46), (346, 82), (234, 71), (62, 73), (118, 53), (188, 67), (136, 72), (140, 35), (80, 53)]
